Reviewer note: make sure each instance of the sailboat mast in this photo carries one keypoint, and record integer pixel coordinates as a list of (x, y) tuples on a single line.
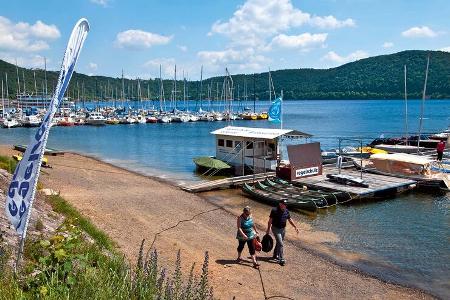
[(3, 102), (45, 77), (406, 110), (122, 96), (270, 88), (184, 91), (160, 90), (201, 86), (254, 93), (7, 91), (423, 104)]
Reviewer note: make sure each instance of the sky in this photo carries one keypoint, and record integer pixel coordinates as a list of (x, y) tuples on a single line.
[(245, 36)]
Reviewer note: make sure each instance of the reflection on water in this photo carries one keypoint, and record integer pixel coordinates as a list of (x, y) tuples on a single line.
[(405, 239)]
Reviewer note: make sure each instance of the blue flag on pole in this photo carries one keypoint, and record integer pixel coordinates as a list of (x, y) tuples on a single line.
[(275, 111)]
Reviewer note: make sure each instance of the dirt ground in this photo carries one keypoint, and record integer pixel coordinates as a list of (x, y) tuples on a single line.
[(131, 207)]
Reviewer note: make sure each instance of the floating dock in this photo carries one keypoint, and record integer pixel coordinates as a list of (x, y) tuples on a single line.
[(379, 185)]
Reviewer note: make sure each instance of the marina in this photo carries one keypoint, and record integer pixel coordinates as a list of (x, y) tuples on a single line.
[(160, 140)]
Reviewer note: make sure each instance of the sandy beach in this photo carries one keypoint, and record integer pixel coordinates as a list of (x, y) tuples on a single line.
[(130, 207)]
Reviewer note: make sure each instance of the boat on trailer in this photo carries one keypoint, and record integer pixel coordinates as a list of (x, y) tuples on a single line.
[(418, 168)]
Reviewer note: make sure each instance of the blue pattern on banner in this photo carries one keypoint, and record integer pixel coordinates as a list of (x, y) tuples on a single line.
[(275, 111)]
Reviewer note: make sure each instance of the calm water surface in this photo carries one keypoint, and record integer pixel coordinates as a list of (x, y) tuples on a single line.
[(406, 239)]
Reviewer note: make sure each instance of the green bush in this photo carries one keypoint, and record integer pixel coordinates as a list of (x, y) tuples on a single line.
[(7, 163)]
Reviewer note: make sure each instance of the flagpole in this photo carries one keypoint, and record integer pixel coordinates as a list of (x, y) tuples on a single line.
[(281, 111)]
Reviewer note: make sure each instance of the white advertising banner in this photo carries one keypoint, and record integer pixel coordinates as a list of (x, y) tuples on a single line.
[(22, 189)]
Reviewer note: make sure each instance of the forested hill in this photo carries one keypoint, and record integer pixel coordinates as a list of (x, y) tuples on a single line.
[(378, 77)]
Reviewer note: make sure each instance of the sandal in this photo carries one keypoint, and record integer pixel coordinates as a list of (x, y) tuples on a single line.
[(256, 265), (238, 260)]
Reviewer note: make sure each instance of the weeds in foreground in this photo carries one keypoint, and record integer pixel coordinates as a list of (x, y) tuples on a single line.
[(66, 266), (7, 163), (60, 205)]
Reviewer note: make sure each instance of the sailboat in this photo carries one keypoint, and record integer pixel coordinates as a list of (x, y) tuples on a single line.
[(407, 148)]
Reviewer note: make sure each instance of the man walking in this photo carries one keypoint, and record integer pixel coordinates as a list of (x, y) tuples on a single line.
[(277, 222)]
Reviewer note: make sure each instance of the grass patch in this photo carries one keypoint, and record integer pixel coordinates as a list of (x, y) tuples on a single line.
[(7, 163), (66, 266), (60, 205)]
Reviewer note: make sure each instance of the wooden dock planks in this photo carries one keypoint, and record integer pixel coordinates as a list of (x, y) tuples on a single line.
[(378, 184)]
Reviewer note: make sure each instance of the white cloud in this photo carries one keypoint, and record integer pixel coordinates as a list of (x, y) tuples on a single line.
[(182, 48), (25, 37), (305, 40), (331, 22), (388, 45), (167, 66), (103, 3), (419, 32), (44, 31), (139, 39), (258, 20), (446, 49), (258, 27), (93, 66), (242, 60), (336, 58), (27, 61)]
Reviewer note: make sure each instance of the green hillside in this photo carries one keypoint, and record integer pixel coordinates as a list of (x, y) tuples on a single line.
[(378, 77)]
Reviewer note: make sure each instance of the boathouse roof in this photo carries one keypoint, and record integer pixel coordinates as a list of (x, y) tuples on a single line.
[(259, 133)]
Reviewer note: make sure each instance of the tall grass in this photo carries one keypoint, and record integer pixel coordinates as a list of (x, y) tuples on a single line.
[(7, 163), (66, 266), (60, 205)]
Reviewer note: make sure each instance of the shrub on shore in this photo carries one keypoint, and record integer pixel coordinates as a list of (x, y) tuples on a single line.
[(7, 163)]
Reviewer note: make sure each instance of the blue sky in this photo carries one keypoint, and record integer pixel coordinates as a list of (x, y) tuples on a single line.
[(246, 36)]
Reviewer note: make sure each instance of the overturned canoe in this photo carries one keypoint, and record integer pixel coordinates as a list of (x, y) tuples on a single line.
[(211, 164)]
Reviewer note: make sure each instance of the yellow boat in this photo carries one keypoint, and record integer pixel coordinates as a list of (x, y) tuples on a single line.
[(263, 116), (112, 121), (19, 157), (249, 116), (371, 150)]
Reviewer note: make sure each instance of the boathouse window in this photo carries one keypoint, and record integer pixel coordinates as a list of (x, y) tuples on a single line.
[(220, 142), (238, 145), (229, 144), (249, 145)]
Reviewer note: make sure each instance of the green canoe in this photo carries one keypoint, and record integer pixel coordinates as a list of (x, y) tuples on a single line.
[(211, 164)]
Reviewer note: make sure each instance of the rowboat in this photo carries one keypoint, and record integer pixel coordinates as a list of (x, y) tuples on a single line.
[(330, 198), (47, 151), (304, 195), (273, 199), (347, 180), (18, 157)]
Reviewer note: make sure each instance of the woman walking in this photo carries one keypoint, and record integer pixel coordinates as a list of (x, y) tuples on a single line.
[(245, 234)]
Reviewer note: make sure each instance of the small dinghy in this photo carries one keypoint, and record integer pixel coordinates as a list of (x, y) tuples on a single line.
[(347, 180)]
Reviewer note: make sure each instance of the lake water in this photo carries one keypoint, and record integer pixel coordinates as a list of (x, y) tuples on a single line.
[(407, 239)]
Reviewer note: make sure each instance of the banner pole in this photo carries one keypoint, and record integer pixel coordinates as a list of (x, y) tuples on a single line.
[(281, 111)]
